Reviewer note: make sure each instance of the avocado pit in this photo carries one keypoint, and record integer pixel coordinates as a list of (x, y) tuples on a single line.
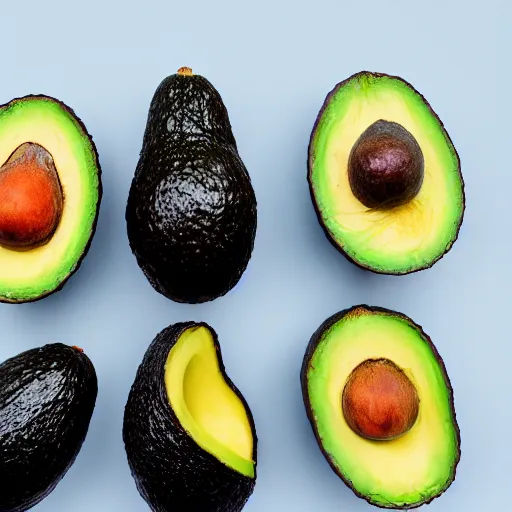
[(31, 199), (386, 166), (379, 401)]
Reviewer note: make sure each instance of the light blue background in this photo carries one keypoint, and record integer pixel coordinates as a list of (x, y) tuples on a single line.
[(273, 63)]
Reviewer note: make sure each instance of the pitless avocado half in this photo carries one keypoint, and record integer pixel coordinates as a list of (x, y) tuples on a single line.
[(381, 406), (50, 193), (189, 434), (384, 175), (47, 398)]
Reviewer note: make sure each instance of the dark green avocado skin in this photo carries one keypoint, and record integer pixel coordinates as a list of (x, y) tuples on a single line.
[(171, 471), (191, 212), (47, 397)]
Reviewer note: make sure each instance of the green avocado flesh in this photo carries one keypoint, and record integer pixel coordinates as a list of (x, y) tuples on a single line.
[(206, 406), (32, 274), (399, 240), (401, 473)]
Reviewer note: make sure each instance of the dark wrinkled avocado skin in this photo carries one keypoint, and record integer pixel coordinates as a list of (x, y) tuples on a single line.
[(47, 397), (191, 211), (315, 339), (171, 471)]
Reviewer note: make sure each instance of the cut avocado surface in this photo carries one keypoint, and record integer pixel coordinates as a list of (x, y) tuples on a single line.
[(205, 404), (33, 272), (403, 210), (419, 464), (189, 434)]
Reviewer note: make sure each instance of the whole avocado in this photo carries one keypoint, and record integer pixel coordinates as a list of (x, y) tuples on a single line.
[(47, 397), (191, 211)]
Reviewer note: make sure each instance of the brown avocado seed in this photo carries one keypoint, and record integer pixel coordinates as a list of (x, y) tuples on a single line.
[(30, 198), (385, 166), (379, 401)]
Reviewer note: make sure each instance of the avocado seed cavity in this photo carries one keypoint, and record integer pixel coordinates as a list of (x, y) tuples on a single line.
[(386, 166), (31, 198), (379, 401)]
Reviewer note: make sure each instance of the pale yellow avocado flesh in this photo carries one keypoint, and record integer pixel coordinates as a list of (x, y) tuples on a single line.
[(27, 275), (207, 408), (413, 468), (405, 238)]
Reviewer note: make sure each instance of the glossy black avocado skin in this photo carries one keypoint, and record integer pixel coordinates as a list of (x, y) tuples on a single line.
[(191, 211), (47, 397), (171, 471)]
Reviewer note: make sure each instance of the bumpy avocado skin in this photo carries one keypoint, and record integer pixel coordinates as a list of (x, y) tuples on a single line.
[(191, 211), (328, 235), (310, 350), (95, 157), (47, 398), (171, 471)]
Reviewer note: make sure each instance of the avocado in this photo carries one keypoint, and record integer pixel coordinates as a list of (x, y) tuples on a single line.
[(50, 194), (47, 398), (381, 405), (191, 211), (189, 434), (384, 176)]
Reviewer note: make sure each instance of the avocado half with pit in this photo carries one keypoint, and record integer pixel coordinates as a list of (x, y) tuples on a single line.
[(47, 399), (189, 434), (384, 175), (50, 193), (381, 406)]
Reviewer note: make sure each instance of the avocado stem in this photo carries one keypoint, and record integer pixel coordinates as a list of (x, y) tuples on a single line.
[(185, 71), (78, 348)]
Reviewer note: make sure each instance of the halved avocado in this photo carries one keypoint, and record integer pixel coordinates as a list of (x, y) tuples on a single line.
[(384, 175), (50, 192), (189, 434), (381, 406)]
